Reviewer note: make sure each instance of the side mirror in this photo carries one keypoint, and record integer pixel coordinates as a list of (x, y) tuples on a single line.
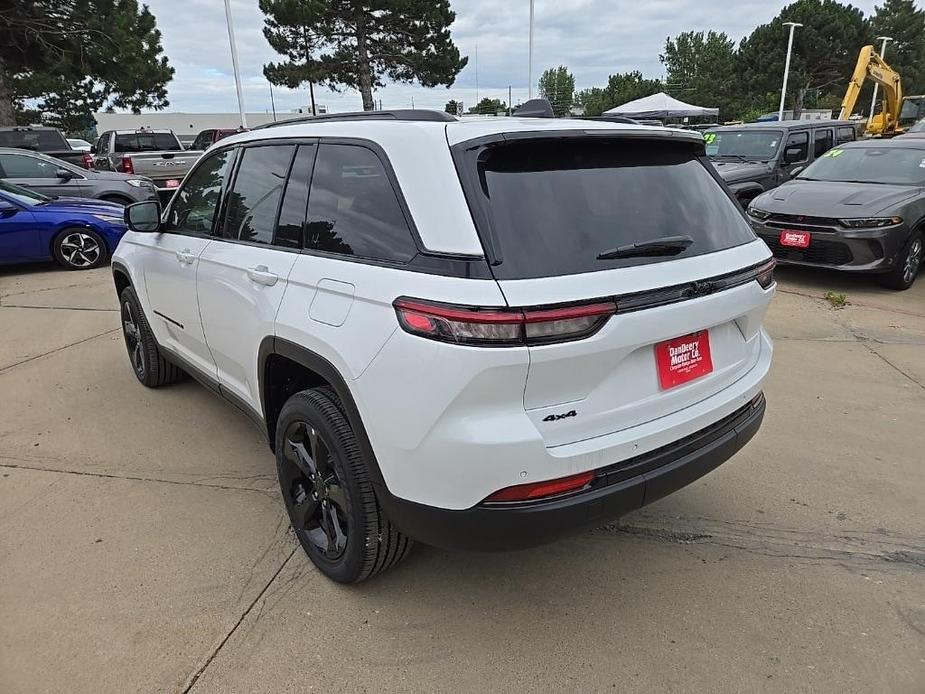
[(796, 171), (793, 155), (92, 149), (64, 174), (144, 216)]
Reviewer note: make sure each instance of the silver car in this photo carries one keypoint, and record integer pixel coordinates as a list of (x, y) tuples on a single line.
[(57, 178)]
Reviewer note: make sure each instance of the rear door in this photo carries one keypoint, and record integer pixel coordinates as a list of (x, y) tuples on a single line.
[(243, 273), (172, 261), (681, 333)]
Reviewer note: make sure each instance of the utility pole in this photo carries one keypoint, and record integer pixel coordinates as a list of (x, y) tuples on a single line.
[(234, 62), (412, 102), (272, 101), (476, 73), (510, 102), (873, 102), (783, 90), (530, 57)]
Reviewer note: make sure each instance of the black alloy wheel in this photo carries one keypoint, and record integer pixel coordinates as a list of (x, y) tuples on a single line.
[(133, 342)]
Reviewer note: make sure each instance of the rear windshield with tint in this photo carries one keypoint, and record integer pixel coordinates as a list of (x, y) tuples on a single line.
[(39, 140), (554, 205), (887, 165), (146, 142)]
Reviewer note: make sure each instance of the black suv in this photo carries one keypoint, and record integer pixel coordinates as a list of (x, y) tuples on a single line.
[(756, 157)]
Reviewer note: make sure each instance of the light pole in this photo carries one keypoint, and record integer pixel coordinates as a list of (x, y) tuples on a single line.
[(873, 102), (783, 90), (530, 58), (234, 62)]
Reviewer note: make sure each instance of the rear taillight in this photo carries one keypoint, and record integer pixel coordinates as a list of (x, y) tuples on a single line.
[(765, 273), (87, 161), (501, 327), (126, 166), (541, 490)]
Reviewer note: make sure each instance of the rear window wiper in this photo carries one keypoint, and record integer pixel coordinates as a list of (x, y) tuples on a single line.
[(666, 245)]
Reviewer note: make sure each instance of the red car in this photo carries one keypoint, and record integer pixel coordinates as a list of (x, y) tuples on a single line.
[(207, 138)]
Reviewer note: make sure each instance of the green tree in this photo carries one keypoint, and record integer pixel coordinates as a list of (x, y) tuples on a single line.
[(291, 29), (359, 43), (452, 106), (489, 107), (80, 56), (621, 88), (557, 85), (825, 50), (702, 69), (900, 20)]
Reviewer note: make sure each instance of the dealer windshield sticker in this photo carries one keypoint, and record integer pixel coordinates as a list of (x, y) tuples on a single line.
[(834, 153), (709, 138)]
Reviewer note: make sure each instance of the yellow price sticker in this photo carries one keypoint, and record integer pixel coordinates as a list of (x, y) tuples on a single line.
[(709, 138), (834, 153)]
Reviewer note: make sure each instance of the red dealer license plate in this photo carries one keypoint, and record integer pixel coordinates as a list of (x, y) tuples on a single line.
[(794, 239), (683, 359)]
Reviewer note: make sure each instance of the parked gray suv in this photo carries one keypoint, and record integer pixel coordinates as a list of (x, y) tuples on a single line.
[(57, 178), (756, 157)]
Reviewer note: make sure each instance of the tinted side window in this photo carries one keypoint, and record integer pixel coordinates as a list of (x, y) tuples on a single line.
[(845, 135), (823, 140), (353, 208), (16, 166), (203, 140), (799, 141), (254, 198), (295, 200), (194, 204)]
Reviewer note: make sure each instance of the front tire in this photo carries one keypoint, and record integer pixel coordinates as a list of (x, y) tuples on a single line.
[(910, 262), (328, 494), (149, 366), (80, 249)]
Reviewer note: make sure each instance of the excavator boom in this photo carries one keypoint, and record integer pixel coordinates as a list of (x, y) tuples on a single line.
[(871, 66)]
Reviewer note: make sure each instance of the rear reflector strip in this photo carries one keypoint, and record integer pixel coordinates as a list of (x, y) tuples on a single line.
[(541, 490)]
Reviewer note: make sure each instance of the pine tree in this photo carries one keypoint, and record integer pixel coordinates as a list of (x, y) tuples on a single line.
[(901, 21), (358, 43), (107, 52)]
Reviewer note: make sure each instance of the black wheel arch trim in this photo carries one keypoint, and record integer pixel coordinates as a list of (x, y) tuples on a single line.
[(318, 364)]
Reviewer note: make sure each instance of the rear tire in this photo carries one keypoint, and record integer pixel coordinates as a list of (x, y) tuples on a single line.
[(328, 494), (910, 263), (80, 249), (149, 366)]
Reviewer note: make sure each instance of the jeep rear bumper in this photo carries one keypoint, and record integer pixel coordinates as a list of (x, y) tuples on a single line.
[(615, 491)]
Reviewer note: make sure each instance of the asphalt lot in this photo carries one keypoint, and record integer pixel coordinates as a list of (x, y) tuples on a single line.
[(144, 547)]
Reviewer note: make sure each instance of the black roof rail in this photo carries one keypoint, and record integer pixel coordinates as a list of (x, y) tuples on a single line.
[(406, 114)]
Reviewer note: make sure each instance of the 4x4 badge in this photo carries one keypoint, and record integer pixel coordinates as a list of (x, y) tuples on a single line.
[(557, 417)]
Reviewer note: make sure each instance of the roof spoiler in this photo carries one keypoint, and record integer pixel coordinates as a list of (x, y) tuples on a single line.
[(535, 108)]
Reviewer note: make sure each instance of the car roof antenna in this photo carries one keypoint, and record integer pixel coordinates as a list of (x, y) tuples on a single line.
[(535, 108)]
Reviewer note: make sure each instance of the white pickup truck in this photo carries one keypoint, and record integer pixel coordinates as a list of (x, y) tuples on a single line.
[(155, 154)]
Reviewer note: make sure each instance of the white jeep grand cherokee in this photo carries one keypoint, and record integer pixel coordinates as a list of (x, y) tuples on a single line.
[(479, 334)]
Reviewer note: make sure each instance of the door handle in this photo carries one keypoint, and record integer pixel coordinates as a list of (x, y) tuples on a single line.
[(186, 257), (262, 275)]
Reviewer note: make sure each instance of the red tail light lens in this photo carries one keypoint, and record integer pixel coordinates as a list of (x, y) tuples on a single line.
[(765, 274), (126, 165), (540, 490), (500, 327), (87, 161)]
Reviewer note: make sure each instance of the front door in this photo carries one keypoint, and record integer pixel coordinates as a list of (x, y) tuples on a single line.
[(244, 272), (20, 240), (173, 259), (40, 175)]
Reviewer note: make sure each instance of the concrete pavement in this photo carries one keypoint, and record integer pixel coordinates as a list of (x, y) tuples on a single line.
[(144, 547)]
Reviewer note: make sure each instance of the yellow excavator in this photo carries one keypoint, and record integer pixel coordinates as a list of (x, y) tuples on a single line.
[(896, 111)]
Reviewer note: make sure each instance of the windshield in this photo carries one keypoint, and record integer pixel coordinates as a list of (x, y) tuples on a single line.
[(146, 142), (918, 127), (555, 206), (23, 196), (749, 144), (887, 165)]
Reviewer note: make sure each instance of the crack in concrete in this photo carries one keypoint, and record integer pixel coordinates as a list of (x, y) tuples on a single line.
[(196, 674), (891, 364), (132, 478), (57, 349), (862, 304)]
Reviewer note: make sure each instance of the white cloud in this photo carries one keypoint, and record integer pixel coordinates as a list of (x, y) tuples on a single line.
[(594, 38)]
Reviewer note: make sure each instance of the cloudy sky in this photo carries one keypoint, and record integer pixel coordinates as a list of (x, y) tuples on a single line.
[(594, 38)]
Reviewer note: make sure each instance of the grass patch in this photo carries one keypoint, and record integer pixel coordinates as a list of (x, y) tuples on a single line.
[(836, 300)]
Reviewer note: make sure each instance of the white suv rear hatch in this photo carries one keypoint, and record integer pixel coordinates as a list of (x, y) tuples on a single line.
[(688, 310)]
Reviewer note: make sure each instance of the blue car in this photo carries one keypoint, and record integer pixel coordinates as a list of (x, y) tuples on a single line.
[(79, 233)]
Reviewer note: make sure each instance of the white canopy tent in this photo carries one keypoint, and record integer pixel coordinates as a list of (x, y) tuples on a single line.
[(660, 106)]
